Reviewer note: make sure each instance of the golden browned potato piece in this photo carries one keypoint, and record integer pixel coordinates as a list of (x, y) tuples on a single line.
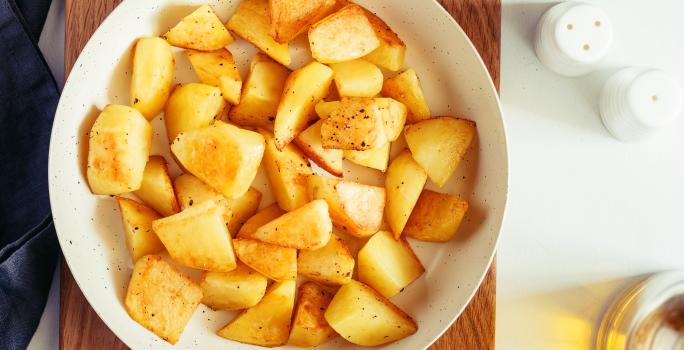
[(218, 68), (287, 171), (362, 316), (234, 290), (197, 237), (309, 141), (343, 36), (275, 262), (357, 78), (201, 30), (438, 145), (406, 89), (309, 327), (118, 149), (259, 219), (252, 22), (307, 227), (160, 298), (303, 89), (223, 156), (390, 53), (152, 77), (436, 217), (261, 93), (156, 189), (332, 264), (289, 18), (137, 221), (325, 108), (192, 106), (388, 265), (266, 323), (404, 181), (375, 158), (357, 124)]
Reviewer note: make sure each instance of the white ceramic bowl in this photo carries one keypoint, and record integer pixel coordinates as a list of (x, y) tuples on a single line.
[(455, 82)]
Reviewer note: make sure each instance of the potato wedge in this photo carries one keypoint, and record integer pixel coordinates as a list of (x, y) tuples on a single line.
[(275, 262), (309, 141), (156, 189), (266, 323), (160, 298), (343, 36), (307, 227), (375, 158), (325, 108), (357, 124), (309, 327), (259, 219), (197, 237), (404, 182), (303, 89), (436, 217), (388, 265), (406, 89), (287, 171), (261, 93), (390, 53), (152, 76), (394, 116), (118, 149), (362, 316), (332, 264), (438, 145), (201, 30), (238, 289), (252, 22), (357, 78), (289, 18), (137, 221), (223, 156), (192, 106), (218, 68)]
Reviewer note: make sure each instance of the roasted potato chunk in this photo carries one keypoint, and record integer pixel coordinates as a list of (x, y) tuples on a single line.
[(261, 93), (118, 149), (252, 22), (160, 298), (268, 322), (259, 219), (362, 316), (218, 68), (197, 237), (303, 89), (309, 141), (357, 124), (357, 78), (307, 227), (201, 30), (404, 181), (156, 189), (332, 264), (192, 106), (343, 36), (406, 89), (287, 171), (438, 145), (289, 18), (375, 158), (309, 327), (234, 290), (436, 217), (388, 265), (325, 108), (152, 76), (137, 221), (390, 53), (223, 156), (275, 262)]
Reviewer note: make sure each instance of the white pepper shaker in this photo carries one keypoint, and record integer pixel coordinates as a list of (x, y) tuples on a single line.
[(573, 37), (636, 103)]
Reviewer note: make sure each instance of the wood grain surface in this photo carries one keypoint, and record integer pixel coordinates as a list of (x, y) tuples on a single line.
[(81, 328)]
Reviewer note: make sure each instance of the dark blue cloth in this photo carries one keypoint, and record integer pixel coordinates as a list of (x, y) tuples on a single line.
[(28, 244)]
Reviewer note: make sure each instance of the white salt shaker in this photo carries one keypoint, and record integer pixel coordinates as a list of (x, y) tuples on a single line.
[(573, 37), (636, 103)]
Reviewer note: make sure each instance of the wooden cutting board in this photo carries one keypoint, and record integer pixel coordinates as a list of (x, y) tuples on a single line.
[(81, 328)]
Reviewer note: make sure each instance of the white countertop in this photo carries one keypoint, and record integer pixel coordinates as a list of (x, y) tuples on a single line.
[(587, 214)]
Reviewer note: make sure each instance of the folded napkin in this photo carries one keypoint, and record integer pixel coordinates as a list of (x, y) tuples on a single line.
[(28, 244)]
